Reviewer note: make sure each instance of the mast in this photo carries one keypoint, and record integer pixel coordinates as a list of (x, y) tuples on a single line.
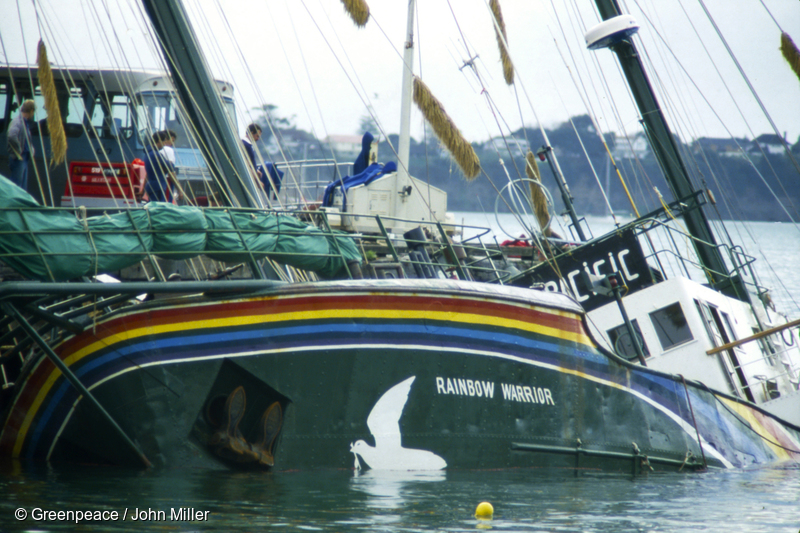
[(663, 144), (219, 144), (404, 143)]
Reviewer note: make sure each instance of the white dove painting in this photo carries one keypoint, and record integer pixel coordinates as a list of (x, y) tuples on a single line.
[(384, 424)]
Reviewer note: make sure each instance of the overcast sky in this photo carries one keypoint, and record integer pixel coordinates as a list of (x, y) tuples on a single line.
[(310, 60)]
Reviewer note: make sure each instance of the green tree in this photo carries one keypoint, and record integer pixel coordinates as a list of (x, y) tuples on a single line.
[(368, 124)]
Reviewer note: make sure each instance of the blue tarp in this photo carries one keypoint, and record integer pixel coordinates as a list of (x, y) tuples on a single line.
[(372, 172), (362, 160)]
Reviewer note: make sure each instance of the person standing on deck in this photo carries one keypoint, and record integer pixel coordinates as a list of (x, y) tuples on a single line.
[(159, 171), (253, 135), (168, 151), (20, 147)]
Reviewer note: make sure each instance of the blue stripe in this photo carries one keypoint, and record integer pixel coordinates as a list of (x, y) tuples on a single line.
[(149, 349)]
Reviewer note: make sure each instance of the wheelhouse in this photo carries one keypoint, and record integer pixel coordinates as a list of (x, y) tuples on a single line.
[(109, 117)]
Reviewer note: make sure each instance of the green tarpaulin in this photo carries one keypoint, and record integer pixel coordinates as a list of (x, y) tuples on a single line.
[(53, 245)]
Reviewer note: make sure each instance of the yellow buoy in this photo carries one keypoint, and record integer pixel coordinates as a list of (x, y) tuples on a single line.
[(484, 511)]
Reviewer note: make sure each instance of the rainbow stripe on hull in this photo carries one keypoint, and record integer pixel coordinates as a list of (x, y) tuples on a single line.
[(328, 352)]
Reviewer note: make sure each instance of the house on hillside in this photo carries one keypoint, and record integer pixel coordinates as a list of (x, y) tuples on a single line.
[(723, 147), (518, 145), (631, 147), (346, 147), (770, 143)]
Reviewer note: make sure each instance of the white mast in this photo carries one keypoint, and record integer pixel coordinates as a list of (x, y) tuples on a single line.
[(403, 148)]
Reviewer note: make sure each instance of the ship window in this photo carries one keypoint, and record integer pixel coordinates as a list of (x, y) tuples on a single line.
[(729, 331), (621, 341), (671, 326), (3, 105), (711, 326), (153, 112), (112, 118), (76, 109), (157, 111), (70, 106)]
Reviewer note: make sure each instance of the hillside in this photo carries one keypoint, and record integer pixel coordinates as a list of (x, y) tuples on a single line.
[(745, 176)]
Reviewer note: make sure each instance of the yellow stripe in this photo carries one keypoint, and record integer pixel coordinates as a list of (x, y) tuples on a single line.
[(465, 318), (749, 415), (209, 324), (34, 408)]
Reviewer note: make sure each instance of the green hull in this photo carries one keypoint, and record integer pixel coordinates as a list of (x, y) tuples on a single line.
[(427, 375)]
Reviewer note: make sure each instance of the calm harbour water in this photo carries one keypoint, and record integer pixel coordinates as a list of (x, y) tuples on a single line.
[(759, 500), (753, 500)]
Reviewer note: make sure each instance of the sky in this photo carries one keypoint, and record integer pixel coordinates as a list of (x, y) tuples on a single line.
[(310, 60)]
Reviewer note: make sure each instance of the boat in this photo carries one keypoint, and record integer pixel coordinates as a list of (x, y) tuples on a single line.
[(323, 339)]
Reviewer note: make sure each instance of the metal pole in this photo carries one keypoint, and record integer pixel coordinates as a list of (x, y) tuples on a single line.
[(221, 147), (665, 148), (546, 152), (404, 143), (628, 323)]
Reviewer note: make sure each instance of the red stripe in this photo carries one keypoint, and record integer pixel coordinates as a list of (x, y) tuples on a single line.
[(268, 306), (265, 306)]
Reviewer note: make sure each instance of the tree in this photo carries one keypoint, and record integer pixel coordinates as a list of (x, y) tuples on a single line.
[(269, 115), (368, 124)]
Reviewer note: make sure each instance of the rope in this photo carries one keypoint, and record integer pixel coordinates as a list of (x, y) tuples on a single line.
[(691, 410)]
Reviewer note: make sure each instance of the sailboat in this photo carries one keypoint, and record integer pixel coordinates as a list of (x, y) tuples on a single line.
[(435, 355)]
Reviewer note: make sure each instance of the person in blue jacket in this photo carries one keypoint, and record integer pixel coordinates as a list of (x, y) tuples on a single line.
[(271, 177), (253, 135)]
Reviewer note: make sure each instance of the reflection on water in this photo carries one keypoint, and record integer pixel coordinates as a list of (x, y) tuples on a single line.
[(390, 489), (760, 500)]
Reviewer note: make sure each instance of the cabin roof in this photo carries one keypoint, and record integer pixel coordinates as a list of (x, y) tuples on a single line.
[(108, 80)]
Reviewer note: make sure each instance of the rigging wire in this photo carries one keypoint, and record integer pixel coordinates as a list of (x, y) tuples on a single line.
[(702, 96), (224, 64), (750, 86), (314, 94), (359, 88), (586, 98), (191, 129), (600, 136), (689, 77), (688, 155), (609, 95), (30, 79), (746, 227)]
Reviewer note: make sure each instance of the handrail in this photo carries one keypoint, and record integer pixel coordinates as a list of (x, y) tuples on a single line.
[(139, 242), (754, 337)]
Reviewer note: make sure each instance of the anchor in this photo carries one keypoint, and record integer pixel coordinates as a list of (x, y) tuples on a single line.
[(229, 443)]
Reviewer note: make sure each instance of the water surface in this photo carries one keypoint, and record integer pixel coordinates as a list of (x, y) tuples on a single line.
[(764, 499)]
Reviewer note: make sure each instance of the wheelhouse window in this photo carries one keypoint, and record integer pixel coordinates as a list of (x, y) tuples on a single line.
[(158, 111), (671, 326), (152, 109), (621, 341), (111, 116), (712, 330), (5, 100), (71, 105)]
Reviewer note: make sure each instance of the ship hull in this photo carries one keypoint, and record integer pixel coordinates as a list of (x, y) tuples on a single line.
[(407, 375)]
